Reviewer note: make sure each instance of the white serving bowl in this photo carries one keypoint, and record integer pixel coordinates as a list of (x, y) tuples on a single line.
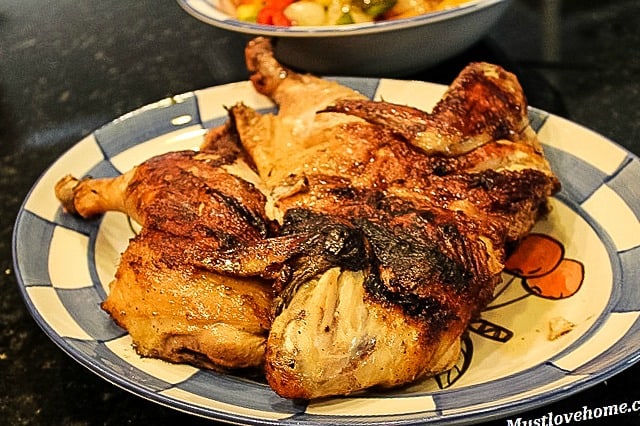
[(383, 49)]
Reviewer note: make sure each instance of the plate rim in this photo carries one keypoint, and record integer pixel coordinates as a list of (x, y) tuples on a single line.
[(529, 402)]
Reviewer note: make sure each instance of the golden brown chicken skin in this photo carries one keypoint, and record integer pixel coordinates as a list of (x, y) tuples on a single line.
[(342, 243), (428, 200), (173, 291)]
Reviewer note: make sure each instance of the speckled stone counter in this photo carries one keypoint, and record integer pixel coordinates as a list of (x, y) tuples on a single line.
[(68, 67)]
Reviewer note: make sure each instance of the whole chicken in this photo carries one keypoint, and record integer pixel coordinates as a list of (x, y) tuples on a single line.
[(340, 244)]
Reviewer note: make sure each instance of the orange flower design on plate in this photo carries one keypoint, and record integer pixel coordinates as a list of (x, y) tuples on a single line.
[(539, 262)]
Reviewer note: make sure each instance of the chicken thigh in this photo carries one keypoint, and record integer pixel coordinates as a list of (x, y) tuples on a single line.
[(173, 291)]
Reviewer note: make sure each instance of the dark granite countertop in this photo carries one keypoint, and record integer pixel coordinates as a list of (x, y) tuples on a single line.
[(67, 67)]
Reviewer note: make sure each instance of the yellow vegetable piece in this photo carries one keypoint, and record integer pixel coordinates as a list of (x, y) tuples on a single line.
[(248, 11)]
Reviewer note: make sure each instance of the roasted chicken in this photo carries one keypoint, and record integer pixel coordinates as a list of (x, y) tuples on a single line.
[(341, 243), (194, 207), (431, 201)]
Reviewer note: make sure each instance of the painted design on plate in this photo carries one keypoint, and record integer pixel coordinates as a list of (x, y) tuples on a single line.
[(538, 263), (593, 226)]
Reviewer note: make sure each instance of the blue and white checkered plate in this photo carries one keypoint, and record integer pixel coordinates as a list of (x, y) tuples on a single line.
[(510, 364)]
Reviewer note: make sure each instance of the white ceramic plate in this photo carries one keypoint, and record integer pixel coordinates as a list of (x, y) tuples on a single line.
[(64, 265)]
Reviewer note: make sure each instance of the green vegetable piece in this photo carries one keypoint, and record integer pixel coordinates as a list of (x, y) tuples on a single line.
[(374, 8), (345, 19)]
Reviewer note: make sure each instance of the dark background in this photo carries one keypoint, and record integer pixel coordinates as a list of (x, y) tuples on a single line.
[(68, 67)]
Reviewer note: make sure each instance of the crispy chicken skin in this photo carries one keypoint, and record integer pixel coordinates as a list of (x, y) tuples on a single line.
[(341, 243), (428, 200), (274, 142), (172, 291), (179, 312), (484, 104)]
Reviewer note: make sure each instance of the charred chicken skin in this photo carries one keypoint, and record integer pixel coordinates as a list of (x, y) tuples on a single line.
[(429, 200), (359, 238)]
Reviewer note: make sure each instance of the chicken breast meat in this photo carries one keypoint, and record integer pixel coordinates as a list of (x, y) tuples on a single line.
[(341, 243)]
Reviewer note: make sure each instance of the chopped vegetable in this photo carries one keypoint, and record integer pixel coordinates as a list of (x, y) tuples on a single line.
[(345, 18), (248, 11), (273, 13), (374, 7), (306, 13), (333, 12)]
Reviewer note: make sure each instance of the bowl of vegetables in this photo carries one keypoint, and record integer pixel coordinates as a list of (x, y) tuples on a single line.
[(382, 38)]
